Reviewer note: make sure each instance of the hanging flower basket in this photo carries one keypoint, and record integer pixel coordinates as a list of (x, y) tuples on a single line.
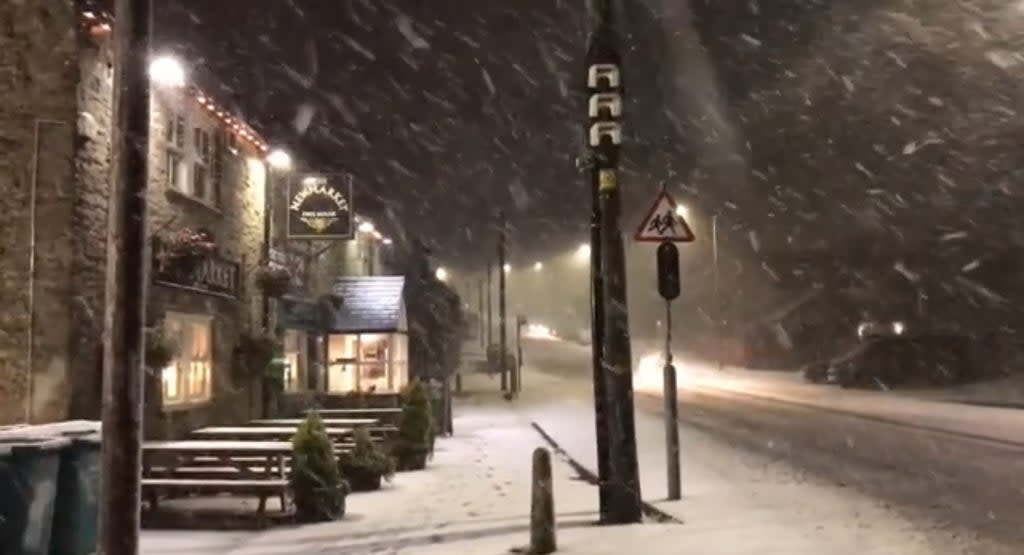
[(273, 280), (190, 243), (159, 349)]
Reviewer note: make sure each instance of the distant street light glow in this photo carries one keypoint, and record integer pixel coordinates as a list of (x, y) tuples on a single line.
[(167, 71), (386, 240), (583, 252), (367, 227), (508, 268), (441, 274), (682, 211), (538, 266)]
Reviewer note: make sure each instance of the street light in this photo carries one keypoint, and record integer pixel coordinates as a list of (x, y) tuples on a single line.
[(386, 240), (167, 71), (441, 274), (367, 227), (507, 268), (682, 211), (538, 266), (279, 159)]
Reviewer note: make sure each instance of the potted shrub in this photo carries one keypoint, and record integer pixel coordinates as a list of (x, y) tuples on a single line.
[(316, 482), (273, 279), (159, 349), (366, 464), (415, 428)]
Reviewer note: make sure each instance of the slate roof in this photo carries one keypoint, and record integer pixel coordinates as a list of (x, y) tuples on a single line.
[(368, 304)]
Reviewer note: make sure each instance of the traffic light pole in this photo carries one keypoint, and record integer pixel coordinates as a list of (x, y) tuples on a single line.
[(604, 135), (120, 482)]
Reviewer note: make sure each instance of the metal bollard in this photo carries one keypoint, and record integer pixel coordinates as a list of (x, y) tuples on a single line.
[(542, 508)]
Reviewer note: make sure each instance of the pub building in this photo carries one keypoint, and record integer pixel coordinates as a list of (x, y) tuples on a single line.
[(205, 199)]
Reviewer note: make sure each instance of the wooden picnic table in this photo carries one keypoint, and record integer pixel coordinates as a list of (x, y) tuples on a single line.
[(341, 436), (329, 422), (389, 415), (263, 481), (354, 412)]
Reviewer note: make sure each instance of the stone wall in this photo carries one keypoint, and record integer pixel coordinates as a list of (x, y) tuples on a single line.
[(56, 99), (37, 91), (89, 258)]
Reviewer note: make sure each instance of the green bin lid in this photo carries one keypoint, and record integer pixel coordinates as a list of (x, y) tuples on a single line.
[(9, 443)]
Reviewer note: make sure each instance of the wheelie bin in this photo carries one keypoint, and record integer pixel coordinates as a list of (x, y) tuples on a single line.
[(28, 488), (78, 481)]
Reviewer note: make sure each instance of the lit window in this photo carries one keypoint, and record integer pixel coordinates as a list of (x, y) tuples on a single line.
[(188, 378), (366, 362)]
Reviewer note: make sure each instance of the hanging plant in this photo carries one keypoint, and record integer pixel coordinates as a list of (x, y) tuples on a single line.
[(159, 349), (274, 280), (188, 243), (254, 353)]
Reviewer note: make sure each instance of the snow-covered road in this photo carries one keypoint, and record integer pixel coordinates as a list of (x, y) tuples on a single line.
[(872, 442)]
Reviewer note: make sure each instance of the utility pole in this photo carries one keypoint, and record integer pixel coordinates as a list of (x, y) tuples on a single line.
[(604, 110), (717, 302), (490, 306), (501, 301), (119, 498), (480, 311)]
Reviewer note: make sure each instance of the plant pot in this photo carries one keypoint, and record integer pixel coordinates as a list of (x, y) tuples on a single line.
[(326, 505), (411, 458), (361, 479)]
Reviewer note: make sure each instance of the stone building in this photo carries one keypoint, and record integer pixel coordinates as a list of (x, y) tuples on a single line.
[(206, 183)]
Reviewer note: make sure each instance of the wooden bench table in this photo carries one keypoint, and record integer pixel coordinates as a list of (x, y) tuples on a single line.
[(385, 414), (328, 422), (268, 479), (338, 435)]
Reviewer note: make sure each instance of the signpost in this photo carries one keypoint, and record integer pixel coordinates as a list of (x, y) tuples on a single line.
[(665, 225)]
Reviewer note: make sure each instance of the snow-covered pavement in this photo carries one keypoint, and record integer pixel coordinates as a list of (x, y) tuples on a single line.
[(474, 498)]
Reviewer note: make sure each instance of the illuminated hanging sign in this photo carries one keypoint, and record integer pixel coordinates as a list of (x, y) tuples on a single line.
[(320, 207)]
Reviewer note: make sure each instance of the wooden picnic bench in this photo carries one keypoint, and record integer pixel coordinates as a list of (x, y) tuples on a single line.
[(342, 437), (328, 422), (384, 414), (339, 436), (165, 463)]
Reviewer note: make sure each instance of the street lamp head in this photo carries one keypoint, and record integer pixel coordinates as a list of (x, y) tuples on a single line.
[(386, 241), (682, 211), (507, 268), (279, 159), (167, 71), (367, 227), (538, 266), (441, 274)]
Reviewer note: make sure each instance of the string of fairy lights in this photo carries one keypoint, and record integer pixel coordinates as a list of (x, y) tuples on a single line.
[(98, 23)]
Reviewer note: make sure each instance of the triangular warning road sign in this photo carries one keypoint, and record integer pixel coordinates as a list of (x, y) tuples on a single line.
[(664, 223)]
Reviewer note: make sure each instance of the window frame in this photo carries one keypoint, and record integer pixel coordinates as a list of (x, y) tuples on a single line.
[(182, 363), (192, 151)]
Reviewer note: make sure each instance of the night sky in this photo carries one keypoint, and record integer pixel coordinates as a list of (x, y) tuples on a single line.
[(844, 145)]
